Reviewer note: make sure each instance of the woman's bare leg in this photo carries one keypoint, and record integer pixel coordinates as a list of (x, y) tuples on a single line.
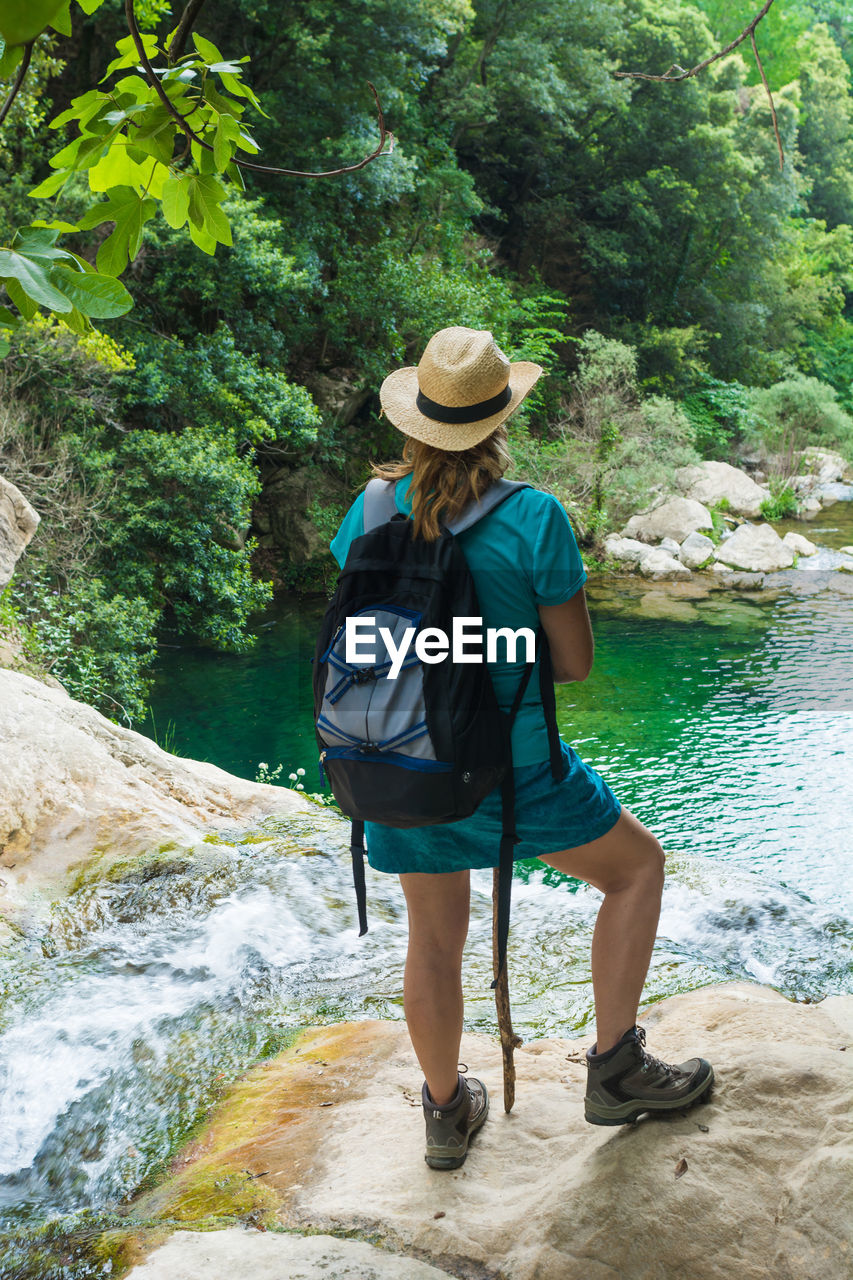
[(627, 865), (438, 907)]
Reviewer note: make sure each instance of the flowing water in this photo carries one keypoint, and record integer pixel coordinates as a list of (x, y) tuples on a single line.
[(725, 722)]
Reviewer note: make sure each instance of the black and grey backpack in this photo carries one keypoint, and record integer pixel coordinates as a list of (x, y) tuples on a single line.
[(406, 742)]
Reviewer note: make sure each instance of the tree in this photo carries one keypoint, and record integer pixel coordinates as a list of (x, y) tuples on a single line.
[(164, 130)]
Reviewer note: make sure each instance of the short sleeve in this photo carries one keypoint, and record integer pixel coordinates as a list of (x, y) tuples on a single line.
[(558, 571), (352, 527)]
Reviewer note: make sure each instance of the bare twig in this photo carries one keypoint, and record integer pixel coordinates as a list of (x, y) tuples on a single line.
[(183, 29), (772, 107), (19, 80), (509, 1040), (681, 74), (153, 79)]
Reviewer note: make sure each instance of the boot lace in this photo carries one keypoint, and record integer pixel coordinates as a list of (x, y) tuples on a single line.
[(650, 1062)]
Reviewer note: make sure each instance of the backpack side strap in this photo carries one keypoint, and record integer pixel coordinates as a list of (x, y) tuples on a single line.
[(356, 848), (379, 502)]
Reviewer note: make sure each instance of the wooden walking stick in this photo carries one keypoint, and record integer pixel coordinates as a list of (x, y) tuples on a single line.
[(509, 1040)]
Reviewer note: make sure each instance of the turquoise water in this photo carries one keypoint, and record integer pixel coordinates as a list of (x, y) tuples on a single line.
[(728, 732)]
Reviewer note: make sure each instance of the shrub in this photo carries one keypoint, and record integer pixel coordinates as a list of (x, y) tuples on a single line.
[(613, 450), (802, 411), (99, 645), (720, 415)]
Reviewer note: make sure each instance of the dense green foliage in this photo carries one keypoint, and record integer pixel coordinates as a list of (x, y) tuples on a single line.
[(639, 239)]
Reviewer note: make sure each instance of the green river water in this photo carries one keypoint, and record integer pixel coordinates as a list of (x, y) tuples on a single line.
[(723, 719)]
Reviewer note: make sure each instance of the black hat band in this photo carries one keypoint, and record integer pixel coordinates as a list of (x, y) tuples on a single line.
[(466, 412)]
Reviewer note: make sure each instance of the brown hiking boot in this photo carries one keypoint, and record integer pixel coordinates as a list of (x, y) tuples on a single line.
[(449, 1129), (626, 1081)]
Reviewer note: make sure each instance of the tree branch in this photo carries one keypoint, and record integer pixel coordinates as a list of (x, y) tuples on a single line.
[(153, 79), (19, 80), (682, 74), (509, 1040), (749, 30), (183, 29)]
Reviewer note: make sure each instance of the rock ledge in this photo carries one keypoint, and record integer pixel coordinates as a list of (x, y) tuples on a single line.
[(756, 1183)]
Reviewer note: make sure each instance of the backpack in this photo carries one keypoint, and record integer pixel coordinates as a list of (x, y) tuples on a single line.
[(406, 741)]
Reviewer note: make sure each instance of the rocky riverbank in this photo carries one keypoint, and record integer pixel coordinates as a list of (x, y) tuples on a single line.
[(713, 524)]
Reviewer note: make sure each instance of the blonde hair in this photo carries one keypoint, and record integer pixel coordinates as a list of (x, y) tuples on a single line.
[(444, 482)]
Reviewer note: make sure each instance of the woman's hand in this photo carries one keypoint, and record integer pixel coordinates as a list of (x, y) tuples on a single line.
[(569, 633)]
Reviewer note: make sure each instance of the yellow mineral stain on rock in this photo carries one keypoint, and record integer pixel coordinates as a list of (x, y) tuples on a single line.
[(265, 1136)]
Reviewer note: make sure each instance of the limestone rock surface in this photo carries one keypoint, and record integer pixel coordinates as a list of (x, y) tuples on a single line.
[(282, 510), (259, 1255), (757, 1183), (756, 547), (18, 523), (659, 564), (77, 788), (710, 481), (739, 581), (675, 518), (696, 550)]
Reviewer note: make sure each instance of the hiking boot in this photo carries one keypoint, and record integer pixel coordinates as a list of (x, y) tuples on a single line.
[(449, 1129), (626, 1081)]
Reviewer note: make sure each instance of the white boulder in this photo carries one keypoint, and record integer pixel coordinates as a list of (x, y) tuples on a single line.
[(709, 482), (628, 550), (675, 518), (18, 523), (823, 465), (800, 545), (696, 550), (670, 545), (809, 508), (658, 564), (756, 547)]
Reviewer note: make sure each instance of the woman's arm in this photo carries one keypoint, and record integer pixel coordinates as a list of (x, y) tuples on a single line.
[(569, 633)]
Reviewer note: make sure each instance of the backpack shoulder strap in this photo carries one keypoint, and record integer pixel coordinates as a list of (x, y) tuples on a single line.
[(379, 502), (496, 493)]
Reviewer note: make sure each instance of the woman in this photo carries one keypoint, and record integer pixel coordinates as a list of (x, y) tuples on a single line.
[(527, 570)]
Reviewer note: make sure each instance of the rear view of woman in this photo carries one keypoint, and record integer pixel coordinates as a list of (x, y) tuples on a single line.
[(527, 571)]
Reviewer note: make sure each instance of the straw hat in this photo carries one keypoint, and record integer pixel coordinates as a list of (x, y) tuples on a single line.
[(462, 389)]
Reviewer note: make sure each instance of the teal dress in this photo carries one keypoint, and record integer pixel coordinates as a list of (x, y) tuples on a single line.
[(521, 555)]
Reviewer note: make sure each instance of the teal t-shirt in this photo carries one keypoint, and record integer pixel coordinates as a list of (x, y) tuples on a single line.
[(521, 555)]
